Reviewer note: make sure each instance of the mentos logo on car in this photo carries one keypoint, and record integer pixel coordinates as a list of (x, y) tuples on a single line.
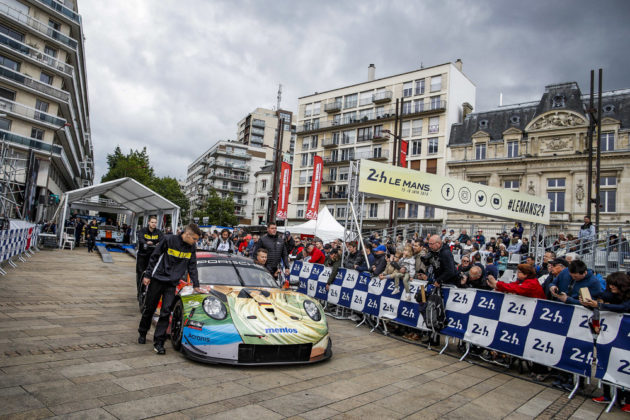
[(281, 331)]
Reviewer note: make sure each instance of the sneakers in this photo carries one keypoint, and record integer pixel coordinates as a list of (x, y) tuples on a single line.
[(396, 290), (601, 400), (159, 348), (142, 339)]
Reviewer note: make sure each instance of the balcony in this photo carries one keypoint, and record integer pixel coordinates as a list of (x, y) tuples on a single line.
[(239, 213), (380, 137), (33, 24), (428, 107), (61, 9), (328, 195), (14, 77), (327, 179), (229, 188), (10, 107), (330, 142), (30, 143), (388, 113), (339, 159), (258, 123), (36, 55), (332, 106), (232, 153), (374, 155), (239, 202), (235, 166), (234, 177), (382, 97)]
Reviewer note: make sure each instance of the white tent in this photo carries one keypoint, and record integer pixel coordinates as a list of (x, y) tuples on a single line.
[(325, 227)]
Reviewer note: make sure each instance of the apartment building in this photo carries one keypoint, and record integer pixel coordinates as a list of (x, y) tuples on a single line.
[(228, 167), (349, 123), (541, 148), (260, 129), (44, 109)]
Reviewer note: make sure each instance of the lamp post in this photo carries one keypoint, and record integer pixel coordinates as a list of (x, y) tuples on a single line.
[(272, 207)]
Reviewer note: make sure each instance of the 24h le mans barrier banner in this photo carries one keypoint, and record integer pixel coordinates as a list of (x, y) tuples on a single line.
[(546, 332)]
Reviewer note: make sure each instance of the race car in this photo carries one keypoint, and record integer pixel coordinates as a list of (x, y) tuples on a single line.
[(245, 318)]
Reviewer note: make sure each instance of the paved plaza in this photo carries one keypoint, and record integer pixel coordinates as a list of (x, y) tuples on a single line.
[(68, 350)]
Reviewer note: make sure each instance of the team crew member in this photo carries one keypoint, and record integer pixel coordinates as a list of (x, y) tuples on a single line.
[(174, 255), (276, 250), (148, 238), (91, 231)]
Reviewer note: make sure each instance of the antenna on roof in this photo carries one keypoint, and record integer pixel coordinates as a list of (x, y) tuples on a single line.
[(279, 95)]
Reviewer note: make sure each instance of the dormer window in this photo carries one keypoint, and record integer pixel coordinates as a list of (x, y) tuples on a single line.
[(483, 124), (558, 101), (609, 108), (515, 119)]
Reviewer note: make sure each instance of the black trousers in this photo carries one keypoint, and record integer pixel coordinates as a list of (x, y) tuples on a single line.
[(165, 291), (91, 243), (142, 261)]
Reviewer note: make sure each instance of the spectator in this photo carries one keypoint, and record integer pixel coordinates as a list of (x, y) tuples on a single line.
[(532, 261), (526, 283), (314, 255), (467, 247), (481, 240), (223, 243), (366, 265), (474, 278), (457, 247), (463, 237), (515, 246), (567, 285), (549, 256), (380, 262), (442, 266), (464, 265), (276, 250), (451, 236), (571, 256), (524, 246), (555, 267), (419, 253), (297, 249), (503, 261), (289, 242), (261, 257), (586, 235), (354, 258), (491, 267), (492, 244), (333, 260), (408, 262), (517, 230)]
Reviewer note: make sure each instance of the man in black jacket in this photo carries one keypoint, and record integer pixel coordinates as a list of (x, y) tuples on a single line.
[(354, 258), (168, 264), (276, 250), (91, 232), (380, 260), (441, 262), (148, 238)]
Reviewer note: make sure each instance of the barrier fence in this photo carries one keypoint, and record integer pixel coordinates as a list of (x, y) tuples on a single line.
[(546, 332), (17, 240)]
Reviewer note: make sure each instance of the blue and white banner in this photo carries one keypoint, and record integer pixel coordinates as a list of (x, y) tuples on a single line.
[(546, 332)]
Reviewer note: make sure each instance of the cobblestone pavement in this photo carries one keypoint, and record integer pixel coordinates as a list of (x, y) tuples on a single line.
[(67, 349)]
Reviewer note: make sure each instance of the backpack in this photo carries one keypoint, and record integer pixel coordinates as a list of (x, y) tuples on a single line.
[(434, 311)]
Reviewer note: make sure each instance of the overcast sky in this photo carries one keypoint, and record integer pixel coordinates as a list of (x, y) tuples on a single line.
[(176, 76)]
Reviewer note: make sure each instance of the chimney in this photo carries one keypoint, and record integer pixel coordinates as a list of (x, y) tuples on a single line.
[(371, 72), (466, 110), (458, 64)]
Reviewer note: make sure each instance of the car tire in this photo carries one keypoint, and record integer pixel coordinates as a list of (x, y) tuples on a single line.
[(177, 325)]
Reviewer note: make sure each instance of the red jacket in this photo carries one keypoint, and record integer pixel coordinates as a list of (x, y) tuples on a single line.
[(529, 288), (317, 257)]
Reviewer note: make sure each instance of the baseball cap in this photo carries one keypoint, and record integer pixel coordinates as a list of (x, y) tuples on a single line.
[(557, 261), (380, 248)]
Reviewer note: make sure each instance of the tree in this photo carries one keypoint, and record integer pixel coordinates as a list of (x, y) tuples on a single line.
[(220, 211), (133, 165), (168, 188)]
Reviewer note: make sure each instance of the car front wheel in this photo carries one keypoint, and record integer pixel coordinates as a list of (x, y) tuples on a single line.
[(177, 325)]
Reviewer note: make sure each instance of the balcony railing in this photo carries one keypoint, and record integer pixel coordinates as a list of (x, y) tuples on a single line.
[(38, 26), (373, 154), (334, 196), (231, 189), (31, 143), (230, 176), (240, 202), (258, 123), (366, 117), (32, 113), (240, 213), (429, 106), (234, 154), (385, 96), (328, 179), (35, 54), (33, 84), (330, 142), (339, 159), (62, 9), (332, 106)]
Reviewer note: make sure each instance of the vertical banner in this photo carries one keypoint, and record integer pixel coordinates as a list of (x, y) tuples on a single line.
[(313, 199), (283, 194), (404, 146)]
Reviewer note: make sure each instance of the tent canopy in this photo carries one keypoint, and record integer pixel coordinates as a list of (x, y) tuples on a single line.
[(325, 227), (129, 196)]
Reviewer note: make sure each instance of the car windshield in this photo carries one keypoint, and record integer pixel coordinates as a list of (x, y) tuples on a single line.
[(233, 273)]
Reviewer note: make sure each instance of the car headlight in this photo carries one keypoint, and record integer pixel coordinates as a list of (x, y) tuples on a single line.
[(312, 310), (214, 308)]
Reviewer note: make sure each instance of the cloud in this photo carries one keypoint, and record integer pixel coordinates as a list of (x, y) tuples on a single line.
[(176, 76)]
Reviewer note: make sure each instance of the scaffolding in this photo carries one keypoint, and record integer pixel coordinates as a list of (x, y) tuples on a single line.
[(12, 190)]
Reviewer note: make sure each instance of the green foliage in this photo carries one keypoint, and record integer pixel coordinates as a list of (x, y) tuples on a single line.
[(168, 187), (220, 211)]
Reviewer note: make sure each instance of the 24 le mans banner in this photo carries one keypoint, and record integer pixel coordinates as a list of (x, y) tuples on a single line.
[(283, 195), (396, 183), (316, 185)]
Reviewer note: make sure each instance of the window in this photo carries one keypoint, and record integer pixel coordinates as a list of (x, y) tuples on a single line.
[(429, 212), (349, 137), (347, 154), (317, 106), (311, 160), (480, 151), (332, 174), (436, 83), (406, 126), (350, 101), (5, 124), (315, 123), (511, 183), (407, 89), (41, 106), (400, 211), (314, 141), (46, 78), (608, 142), (334, 155), (56, 26), (305, 159), (365, 114), (308, 110), (306, 143), (556, 183), (608, 194), (335, 137), (7, 62), (36, 133), (263, 185), (7, 94), (378, 131), (557, 200), (406, 108), (432, 166), (436, 103), (377, 152), (479, 181), (341, 212), (301, 194), (50, 51), (433, 146), (416, 147), (343, 173), (419, 89), (336, 119), (365, 98), (380, 111), (434, 125), (11, 33), (349, 117), (412, 211), (512, 149), (418, 105), (300, 212), (373, 212), (364, 134), (416, 128)]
